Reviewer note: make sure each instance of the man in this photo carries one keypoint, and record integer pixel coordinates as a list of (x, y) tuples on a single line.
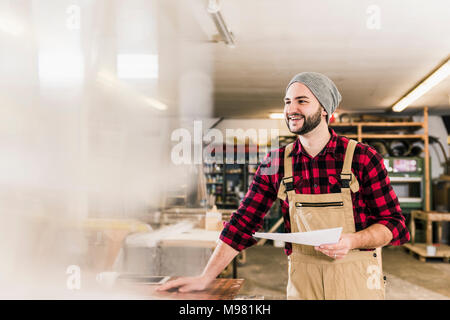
[(324, 181)]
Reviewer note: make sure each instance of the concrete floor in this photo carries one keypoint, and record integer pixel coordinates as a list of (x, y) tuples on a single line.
[(265, 274)]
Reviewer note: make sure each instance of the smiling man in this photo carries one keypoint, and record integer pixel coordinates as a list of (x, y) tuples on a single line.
[(324, 181)]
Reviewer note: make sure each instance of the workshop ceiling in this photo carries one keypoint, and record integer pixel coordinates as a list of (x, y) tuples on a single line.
[(375, 51), (372, 68)]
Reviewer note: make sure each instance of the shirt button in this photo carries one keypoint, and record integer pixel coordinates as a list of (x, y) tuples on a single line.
[(375, 255), (315, 185)]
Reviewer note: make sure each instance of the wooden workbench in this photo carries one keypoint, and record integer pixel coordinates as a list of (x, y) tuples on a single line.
[(220, 289), (442, 250), (196, 215), (429, 217)]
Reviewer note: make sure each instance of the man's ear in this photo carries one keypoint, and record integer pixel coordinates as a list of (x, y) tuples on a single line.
[(324, 114)]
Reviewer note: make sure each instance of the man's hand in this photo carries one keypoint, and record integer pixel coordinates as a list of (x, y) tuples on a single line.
[(223, 254), (338, 250), (186, 284)]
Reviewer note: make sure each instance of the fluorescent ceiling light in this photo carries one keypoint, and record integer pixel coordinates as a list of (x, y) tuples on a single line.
[(437, 76), (225, 33), (137, 66), (276, 115), (11, 26), (60, 67)]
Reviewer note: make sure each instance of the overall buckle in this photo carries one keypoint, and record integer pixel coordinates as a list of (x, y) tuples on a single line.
[(289, 185), (346, 182)]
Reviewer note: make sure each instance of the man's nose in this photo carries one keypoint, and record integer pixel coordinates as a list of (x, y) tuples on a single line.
[(290, 109)]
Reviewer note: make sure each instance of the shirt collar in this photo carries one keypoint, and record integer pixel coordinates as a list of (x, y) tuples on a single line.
[(330, 147)]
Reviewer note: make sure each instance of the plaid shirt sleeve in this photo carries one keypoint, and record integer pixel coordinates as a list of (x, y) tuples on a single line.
[(248, 218), (381, 199)]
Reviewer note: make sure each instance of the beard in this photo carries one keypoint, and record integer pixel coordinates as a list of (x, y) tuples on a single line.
[(309, 123)]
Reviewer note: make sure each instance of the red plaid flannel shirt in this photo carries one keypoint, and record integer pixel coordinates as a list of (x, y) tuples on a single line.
[(375, 202)]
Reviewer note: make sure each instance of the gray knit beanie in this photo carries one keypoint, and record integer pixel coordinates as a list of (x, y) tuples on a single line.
[(323, 89)]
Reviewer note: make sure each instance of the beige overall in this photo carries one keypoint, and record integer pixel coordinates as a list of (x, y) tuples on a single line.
[(313, 275)]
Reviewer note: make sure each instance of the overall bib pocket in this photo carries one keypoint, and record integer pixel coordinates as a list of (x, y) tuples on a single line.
[(311, 216)]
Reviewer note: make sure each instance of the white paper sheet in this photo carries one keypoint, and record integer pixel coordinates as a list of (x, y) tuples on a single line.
[(311, 238)]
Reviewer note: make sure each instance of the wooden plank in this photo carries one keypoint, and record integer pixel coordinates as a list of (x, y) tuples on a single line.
[(429, 233), (192, 238), (196, 210), (420, 215), (439, 232), (220, 289), (378, 124), (427, 160), (439, 216), (432, 215), (391, 136)]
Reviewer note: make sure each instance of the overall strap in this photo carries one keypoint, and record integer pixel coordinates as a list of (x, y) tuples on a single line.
[(288, 179), (346, 174)]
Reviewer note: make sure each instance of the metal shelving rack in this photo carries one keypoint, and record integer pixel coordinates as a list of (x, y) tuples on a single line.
[(360, 136), (236, 172)]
